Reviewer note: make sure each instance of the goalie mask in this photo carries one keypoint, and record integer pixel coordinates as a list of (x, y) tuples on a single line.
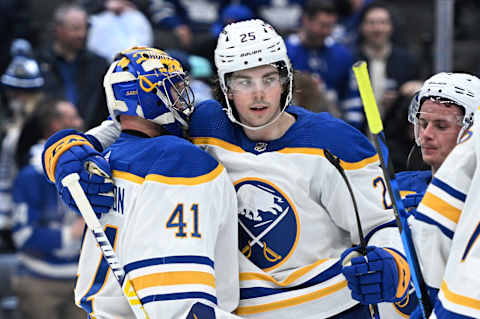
[(460, 89), (248, 44), (148, 83)]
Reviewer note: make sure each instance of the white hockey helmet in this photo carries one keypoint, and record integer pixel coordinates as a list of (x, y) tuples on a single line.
[(461, 89), (248, 44)]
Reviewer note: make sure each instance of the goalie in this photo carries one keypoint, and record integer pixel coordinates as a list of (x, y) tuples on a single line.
[(164, 225)]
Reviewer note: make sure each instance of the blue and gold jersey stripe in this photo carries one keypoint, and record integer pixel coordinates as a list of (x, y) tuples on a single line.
[(217, 142), (459, 299), (289, 280), (289, 150), (128, 176), (197, 180), (185, 259), (171, 278), (272, 306), (448, 189), (441, 207)]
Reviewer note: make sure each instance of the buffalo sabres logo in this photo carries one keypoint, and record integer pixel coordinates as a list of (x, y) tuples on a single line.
[(268, 224)]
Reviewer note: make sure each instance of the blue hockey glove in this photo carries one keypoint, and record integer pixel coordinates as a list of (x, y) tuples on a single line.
[(69, 151), (380, 276)]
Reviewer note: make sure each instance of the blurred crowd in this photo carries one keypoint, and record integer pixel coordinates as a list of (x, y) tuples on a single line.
[(53, 56)]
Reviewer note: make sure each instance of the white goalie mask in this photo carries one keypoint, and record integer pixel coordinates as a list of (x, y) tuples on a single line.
[(460, 89), (248, 44)]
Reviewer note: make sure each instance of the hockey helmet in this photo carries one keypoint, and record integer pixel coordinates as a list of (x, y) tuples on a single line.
[(247, 44), (148, 83), (460, 89)]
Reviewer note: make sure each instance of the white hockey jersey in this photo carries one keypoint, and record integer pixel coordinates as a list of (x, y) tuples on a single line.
[(446, 228), (174, 227), (296, 216)]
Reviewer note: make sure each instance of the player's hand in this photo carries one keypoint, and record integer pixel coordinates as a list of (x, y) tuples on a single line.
[(380, 276), (69, 151)]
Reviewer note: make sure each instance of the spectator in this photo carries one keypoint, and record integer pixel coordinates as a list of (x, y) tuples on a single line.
[(21, 83), (310, 93), (46, 234), (186, 25), (118, 27), (312, 50), (229, 14), (283, 15), (350, 12), (70, 69), (390, 66), (393, 72)]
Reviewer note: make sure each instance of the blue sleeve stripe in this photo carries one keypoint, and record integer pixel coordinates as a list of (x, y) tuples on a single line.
[(458, 299), (179, 296), (424, 218), (448, 189), (190, 259), (443, 313), (256, 292), (471, 241)]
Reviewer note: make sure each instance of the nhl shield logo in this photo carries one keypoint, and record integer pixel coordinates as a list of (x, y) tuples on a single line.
[(268, 223), (260, 147)]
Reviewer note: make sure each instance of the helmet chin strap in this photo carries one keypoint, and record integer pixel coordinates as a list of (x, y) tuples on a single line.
[(231, 117)]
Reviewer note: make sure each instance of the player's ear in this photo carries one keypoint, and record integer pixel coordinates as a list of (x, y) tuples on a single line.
[(230, 94)]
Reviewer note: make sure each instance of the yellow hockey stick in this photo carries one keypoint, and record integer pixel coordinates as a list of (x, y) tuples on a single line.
[(376, 128)]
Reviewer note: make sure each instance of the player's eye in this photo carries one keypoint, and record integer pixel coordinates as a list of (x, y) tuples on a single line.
[(422, 123)]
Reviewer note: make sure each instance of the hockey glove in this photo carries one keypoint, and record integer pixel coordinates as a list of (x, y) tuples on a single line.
[(69, 151), (380, 276)]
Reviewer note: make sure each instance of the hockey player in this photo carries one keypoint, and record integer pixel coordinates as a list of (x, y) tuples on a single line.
[(296, 219), (441, 112), (446, 228), (164, 224)]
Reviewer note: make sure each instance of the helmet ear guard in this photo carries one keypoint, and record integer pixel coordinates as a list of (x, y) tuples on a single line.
[(460, 89), (148, 83)]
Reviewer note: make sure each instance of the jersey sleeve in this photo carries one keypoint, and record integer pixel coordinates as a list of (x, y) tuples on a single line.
[(446, 229), (106, 133), (437, 216), (180, 244)]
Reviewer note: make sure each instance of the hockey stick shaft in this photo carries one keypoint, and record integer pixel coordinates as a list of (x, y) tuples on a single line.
[(335, 161), (376, 128), (71, 181)]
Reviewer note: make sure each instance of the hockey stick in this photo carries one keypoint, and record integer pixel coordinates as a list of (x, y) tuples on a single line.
[(71, 181), (335, 161), (376, 128)]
